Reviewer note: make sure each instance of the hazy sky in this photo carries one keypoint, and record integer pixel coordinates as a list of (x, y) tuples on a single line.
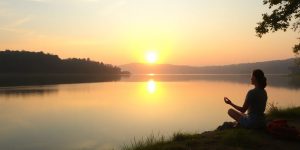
[(191, 32)]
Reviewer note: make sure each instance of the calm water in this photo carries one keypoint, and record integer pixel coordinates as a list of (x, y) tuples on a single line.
[(109, 114)]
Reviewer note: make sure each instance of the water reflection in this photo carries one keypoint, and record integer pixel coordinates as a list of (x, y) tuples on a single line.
[(109, 114), (53, 79), (151, 86), (28, 91), (283, 81)]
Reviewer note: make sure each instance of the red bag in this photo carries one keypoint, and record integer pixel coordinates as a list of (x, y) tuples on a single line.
[(281, 129)]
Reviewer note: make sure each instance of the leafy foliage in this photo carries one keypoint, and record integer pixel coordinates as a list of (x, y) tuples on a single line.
[(285, 14)]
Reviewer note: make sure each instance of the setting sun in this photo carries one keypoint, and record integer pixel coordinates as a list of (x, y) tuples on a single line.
[(151, 57)]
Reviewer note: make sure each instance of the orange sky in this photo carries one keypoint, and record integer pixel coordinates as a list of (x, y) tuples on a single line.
[(194, 32)]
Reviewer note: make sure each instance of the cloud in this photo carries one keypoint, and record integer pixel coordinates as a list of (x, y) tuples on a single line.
[(2, 12), (64, 1), (15, 30), (40, 0), (3, 9), (113, 7), (21, 21), (15, 26), (8, 29)]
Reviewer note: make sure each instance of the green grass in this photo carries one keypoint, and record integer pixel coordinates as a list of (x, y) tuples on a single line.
[(230, 139), (227, 139), (286, 113), (152, 141)]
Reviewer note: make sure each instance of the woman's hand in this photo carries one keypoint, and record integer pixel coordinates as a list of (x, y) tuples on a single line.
[(227, 101)]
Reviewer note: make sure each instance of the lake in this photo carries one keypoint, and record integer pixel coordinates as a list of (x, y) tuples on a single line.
[(106, 115)]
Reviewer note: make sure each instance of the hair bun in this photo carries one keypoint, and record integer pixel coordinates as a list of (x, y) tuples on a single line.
[(260, 77)]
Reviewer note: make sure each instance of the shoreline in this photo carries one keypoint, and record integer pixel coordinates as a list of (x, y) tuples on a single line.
[(226, 139), (14, 79)]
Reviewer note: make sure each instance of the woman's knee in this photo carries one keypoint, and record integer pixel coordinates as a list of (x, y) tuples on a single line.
[(230, 111), (234, 114)]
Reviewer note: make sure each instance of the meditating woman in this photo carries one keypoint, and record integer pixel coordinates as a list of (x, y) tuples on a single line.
[(255, 103)]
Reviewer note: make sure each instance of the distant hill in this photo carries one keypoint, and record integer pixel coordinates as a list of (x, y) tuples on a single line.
[(39, 62), (269, 67)]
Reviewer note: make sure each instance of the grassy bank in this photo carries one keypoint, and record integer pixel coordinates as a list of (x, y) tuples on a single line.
[(225, 139), (285, 113)]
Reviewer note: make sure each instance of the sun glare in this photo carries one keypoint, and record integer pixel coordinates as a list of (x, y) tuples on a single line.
[(151, 86), (151, 57)]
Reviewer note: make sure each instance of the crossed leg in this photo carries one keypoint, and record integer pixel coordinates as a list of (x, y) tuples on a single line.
[(235, 114)]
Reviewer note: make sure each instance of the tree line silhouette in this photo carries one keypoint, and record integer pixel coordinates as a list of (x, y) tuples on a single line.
[(40, 62)]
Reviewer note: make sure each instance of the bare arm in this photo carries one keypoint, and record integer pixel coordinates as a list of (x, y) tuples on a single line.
[(241, 109)]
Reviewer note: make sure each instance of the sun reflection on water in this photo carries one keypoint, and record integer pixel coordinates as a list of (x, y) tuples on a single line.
[(151, 86)]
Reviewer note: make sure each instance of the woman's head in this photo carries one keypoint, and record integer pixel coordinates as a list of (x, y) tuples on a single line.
[(258, 78)]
